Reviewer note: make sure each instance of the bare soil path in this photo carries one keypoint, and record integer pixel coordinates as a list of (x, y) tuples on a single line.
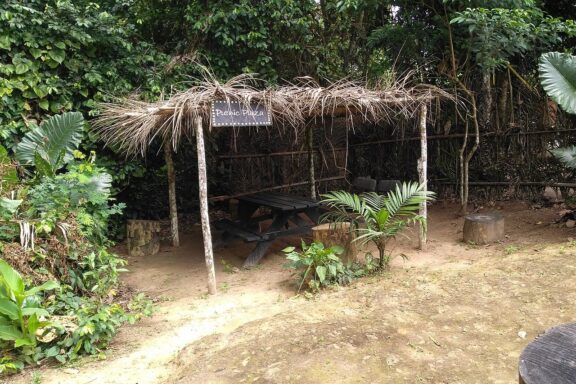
[(453, 314)]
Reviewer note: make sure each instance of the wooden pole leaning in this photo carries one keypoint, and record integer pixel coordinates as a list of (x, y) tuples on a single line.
[(172, 194), (203, 194), (423, 173)]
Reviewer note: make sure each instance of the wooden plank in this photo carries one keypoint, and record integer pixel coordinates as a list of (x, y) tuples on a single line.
[(295, 201), (236, 229), (303, 199), (235, 196), (257, 200)]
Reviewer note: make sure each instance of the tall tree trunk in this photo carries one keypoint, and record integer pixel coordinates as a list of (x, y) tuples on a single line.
[(172, 194), (503, 102), (487, 101), (203, 192)]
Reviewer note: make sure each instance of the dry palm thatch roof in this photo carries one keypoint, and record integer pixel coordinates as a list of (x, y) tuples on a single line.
[(133, 125)]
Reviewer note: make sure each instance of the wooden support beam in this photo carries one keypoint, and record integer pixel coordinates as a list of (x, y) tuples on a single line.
[(310, 142), (172, 194), (300, 183), (203, 192), (423, 172)]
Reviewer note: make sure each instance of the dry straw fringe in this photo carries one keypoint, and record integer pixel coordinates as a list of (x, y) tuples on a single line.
[(133, 125)]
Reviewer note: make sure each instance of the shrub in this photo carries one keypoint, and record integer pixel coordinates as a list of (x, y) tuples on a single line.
[(317, 265), (21, 316)]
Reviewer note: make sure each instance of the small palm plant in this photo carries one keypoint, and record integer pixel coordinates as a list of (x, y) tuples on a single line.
[(378, 218)]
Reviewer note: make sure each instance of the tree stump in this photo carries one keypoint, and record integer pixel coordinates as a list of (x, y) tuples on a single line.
[(483, 228), (143, 237), (331, 234)]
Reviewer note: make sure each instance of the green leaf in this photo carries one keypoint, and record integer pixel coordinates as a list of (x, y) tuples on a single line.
[(53, 351), (332, 269), (57, 55), (4, 158), (21, 68), (5, 42), (36, 53), (47, 286), (9, 308), (321, 272), (24, 341), (566, 155), (558, 78), (11, 277), (9, 205), (288, 249), (44, 104), (56, 135), (10, 332), (43, 167), (35, 312)]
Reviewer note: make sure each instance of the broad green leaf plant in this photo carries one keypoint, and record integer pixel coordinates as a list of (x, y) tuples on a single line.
[(318, 265), (51, 145), (21, 316), (558, 78), (378, 218)]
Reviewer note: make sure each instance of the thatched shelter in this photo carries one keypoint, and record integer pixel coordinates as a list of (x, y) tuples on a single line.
[(133, 125)]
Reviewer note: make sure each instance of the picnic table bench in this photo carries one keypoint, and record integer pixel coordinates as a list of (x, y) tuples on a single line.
[(290, 215)]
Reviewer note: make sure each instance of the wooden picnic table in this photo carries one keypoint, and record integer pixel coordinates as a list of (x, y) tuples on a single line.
[(551, 358), (289, 214)]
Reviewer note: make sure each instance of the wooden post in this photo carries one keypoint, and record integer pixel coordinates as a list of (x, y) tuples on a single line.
[(423, 171), (203, 192), (310, 139), (172, 194)]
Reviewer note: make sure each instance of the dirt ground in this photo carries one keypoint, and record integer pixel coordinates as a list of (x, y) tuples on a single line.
[(455, 313)]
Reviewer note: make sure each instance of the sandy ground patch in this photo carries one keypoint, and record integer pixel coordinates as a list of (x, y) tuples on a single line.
[(448, 315)]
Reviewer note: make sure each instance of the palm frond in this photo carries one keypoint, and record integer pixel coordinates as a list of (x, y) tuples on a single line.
[(346, 204), (406, 199), (374, 200)]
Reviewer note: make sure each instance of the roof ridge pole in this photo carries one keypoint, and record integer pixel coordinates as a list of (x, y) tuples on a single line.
[(423, 174), (203, 192), (172, 194)]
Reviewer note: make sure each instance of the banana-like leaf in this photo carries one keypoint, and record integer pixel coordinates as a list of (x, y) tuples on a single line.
[(54, 140), (11, 278), (9, 308), (558, 78), (47, 286), (566, 155), (35, 312), (9, 332)]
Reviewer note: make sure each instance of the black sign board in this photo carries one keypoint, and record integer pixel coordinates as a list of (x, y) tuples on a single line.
[(235, 114)]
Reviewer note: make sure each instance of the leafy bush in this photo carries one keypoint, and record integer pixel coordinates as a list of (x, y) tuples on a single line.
[(54, 228), (317, 265), (21, 314)]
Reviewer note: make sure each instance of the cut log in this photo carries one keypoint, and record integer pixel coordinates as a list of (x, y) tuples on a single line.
[(483, 228), (331, 234)]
